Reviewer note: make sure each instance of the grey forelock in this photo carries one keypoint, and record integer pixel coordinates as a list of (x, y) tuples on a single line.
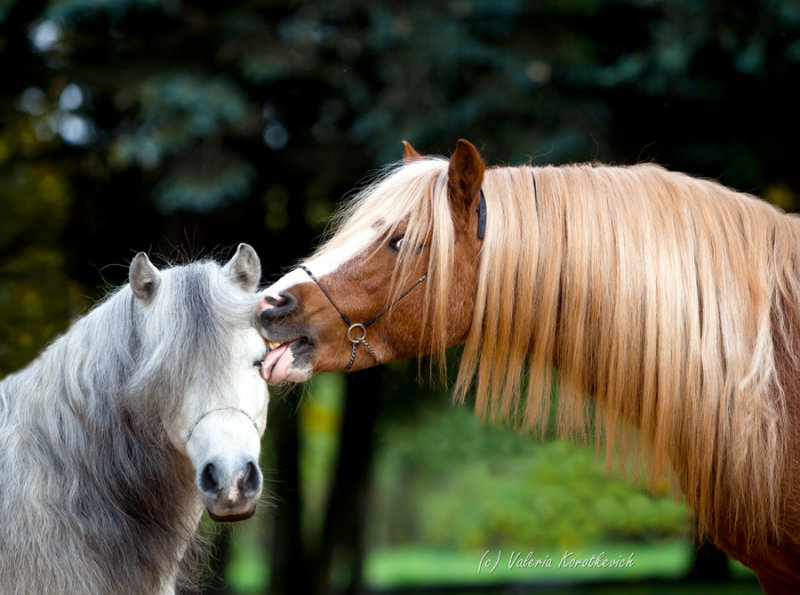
[(187, 334)]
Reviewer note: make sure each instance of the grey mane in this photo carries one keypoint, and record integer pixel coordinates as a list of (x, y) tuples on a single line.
[(93, 497)]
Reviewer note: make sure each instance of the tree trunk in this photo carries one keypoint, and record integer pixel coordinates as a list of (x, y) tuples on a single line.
[(343, 534), (290, 570)]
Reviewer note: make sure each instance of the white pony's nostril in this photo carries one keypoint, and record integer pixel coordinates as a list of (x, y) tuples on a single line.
[(215, 485), (251, 482), (208, 482)]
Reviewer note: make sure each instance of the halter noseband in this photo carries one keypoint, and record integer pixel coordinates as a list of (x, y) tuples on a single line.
[(210, 411), (357, 332)]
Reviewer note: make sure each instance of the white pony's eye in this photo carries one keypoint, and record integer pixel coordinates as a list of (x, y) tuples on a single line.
[(260, 359), (396, 243)]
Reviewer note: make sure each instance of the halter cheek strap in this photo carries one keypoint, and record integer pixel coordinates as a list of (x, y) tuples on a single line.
[(210, 411), (357, 332)]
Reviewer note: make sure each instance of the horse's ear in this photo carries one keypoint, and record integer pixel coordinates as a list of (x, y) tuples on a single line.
[(465, 176), (244, 268), (409, 152), (144, 278)]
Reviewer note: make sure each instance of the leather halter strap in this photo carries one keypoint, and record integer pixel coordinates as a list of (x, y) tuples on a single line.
[(210, 411), (357, 332)]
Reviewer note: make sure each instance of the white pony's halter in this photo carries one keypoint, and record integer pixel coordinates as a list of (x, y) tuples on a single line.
[(210, 411)]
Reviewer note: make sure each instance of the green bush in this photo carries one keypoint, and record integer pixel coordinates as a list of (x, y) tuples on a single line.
[(452, 481)]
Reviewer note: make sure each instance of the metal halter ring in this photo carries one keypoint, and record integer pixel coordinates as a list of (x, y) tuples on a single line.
[(358, 340), (357, 326)]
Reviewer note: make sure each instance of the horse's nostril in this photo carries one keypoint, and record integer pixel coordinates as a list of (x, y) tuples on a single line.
[(278, 305), (232, 488), (276, 301), (250, 483), (208, 481)]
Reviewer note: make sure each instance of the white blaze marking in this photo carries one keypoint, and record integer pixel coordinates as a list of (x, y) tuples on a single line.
[(295, 277), (325, 264)]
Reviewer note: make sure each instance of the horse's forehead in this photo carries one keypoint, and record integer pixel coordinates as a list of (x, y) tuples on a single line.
[(329, 260)]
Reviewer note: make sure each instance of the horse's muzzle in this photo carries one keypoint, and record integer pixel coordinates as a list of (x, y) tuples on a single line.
[(277, 314), (230, 494)]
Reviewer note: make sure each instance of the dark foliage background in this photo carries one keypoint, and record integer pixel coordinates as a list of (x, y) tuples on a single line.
[(183, 127)]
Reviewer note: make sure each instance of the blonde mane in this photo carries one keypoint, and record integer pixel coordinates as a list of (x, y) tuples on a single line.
[(660, 295)]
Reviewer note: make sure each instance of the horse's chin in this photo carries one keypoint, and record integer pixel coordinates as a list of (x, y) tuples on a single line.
[(291, 375), (231, 518)]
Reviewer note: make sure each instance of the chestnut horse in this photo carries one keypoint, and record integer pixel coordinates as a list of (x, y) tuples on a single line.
[(669, 301)]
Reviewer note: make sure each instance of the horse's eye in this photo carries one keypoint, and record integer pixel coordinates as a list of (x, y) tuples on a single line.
[(396, 243)]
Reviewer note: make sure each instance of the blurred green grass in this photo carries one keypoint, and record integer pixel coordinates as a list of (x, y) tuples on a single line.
[(449, 480), (393, 567)]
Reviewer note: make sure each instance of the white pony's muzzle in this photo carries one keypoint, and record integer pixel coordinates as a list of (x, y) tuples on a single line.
[(224, 448), (230, 492)]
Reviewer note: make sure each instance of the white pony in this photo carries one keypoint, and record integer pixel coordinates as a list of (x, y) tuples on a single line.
[(150, 408)]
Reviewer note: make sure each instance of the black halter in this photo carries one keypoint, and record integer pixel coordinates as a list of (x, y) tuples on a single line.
[(481, 210), (357, 332)]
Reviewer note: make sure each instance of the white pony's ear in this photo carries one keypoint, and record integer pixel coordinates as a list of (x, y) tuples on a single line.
[(144, 278), (244, 268)]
